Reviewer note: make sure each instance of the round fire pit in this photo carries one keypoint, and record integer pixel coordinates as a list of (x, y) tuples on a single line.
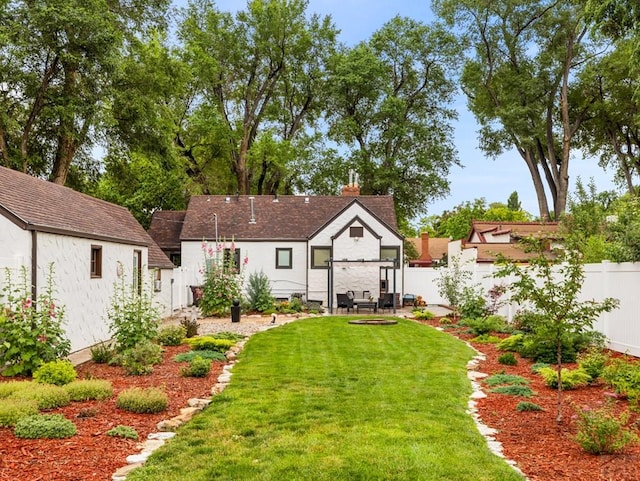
[(374, 322)]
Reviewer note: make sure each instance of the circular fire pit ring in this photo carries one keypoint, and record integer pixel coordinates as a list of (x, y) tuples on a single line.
[(374, 322)]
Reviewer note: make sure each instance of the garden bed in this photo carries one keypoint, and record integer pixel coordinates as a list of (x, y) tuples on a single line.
[(543, 449), (91, 454)]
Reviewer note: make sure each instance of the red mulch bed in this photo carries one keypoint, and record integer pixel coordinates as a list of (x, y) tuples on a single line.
[(91, 454), (543, 449)]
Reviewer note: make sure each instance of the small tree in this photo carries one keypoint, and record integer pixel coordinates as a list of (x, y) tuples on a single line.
[(259, 292), (551, 287), (453, 283)]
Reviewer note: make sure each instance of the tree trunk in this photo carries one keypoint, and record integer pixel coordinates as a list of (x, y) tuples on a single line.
[(543, 206), (559, 370)]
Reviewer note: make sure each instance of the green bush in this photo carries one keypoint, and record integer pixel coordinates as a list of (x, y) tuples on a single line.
[(535, 368), (512, 343), (527, 406), (498, 379), (88, 389), (143, 401), (514, 390), (486, 339), (209, 343), (486, 325), (47, 396), (8, 388), (473, 305), (259, 292), (198, 367), (423, 315), (600, 431), (171, 335), (571, 378), (188, 356), (191, 327), (12, 410), (102, 353), (542, 348), (58, 372), (139, 360), (508, 359), (121, 431), (624, 377), (133, 314), (593, 362), (50, 426)]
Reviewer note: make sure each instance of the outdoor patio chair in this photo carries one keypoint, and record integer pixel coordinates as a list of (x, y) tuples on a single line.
[(344, 301)]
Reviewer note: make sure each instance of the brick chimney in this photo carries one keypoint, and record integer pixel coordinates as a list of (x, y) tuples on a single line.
[(425, 255), (351, 190)]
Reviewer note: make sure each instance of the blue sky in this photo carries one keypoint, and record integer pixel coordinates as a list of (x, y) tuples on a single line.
[(492, 179)]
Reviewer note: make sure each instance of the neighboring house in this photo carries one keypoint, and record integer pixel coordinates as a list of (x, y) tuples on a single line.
[(90, 242), (487, 240), (315, 246), (432, 251)]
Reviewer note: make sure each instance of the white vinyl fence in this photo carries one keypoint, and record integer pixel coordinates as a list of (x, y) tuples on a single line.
[(607, 279)]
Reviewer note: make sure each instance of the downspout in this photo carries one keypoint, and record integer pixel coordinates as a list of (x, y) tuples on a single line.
[(34, 265)]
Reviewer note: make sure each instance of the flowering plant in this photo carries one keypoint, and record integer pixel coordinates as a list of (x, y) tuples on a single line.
[(31, 332), (223, 279)]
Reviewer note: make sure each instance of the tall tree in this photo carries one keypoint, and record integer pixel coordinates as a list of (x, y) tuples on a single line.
[(390, 107), (262, 72), (56, 63), (519, 82)]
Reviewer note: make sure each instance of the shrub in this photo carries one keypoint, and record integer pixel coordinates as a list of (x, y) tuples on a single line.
[(222, 282), (423, 315), (51, 426), (259, 292), (208, 343), (139, 360), (527, 406), (32, 331), (535, 368), (211, 355), (171, 335), (47, 396), (486, 325), (198, 367), (473, 305), (508, 359), (191, 327), (601, 432), (143, 401), (133, 315), (102, 353), (12, 410), (498, 379), (514, 390), (624, 377), (593, 362), (121, 431), (231, 336), (88, 389), (8, 388), (512, 343), (58, 372), (571, 378)]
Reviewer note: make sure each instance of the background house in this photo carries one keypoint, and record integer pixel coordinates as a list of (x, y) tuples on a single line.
[(314, 246), (85, 239)]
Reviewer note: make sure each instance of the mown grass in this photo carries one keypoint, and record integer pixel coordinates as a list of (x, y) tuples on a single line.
[(320, 399)]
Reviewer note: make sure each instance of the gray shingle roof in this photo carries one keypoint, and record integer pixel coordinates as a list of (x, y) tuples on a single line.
[(36, 204), (289, 218)]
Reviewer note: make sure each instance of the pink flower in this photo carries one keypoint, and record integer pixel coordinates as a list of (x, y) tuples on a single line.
[(210, 251), (42, 338), (27, 304), (245, 260), (219, 247), (203, 245)]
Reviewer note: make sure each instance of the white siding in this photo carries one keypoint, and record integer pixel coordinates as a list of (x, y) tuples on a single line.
[(86, 299), (15, 249)]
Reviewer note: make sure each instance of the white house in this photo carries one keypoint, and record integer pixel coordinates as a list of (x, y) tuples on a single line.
[(85, 239), (315, 246)]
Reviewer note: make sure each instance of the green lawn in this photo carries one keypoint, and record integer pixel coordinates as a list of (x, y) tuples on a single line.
[(320, 399)]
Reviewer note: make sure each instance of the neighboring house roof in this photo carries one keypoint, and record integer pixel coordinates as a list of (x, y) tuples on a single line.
[(289, 217), (517, 230), (158, 259), (429, 249), (165, 228), (36, 204), (490, 252)]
